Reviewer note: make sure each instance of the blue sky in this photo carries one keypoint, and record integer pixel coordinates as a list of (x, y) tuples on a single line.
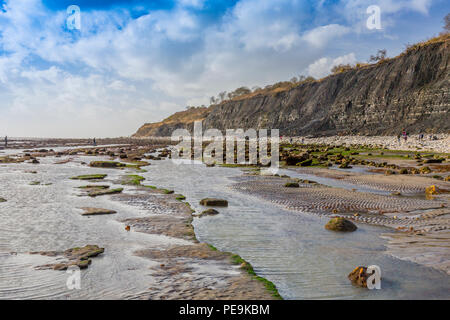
[(139, 61)]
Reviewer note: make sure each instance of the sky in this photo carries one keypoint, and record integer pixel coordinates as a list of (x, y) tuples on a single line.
[(134, 62)]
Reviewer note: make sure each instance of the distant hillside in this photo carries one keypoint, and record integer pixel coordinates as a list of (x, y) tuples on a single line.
[(411, 91)]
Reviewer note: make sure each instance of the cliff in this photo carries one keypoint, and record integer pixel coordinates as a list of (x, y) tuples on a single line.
[(411, 91), (180, 120)]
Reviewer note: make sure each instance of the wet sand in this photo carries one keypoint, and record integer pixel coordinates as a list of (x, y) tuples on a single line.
[(423, 224), (192, 270)]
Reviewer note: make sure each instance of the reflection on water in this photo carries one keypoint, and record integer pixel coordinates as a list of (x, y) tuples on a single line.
[(291, 249)]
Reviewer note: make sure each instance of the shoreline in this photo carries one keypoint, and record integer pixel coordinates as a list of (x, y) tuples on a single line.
[(416, 220)]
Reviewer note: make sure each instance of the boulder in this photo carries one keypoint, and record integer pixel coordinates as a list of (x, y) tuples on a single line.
[(2, 199), (340, 224), (213, 202), (209, 212)]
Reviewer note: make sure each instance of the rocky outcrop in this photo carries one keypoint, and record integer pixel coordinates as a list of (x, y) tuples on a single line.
[(179, 120), (411, 91)]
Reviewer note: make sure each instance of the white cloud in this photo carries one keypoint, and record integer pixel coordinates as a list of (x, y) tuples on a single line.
[(320, 36), (119, 72), (322, 67)]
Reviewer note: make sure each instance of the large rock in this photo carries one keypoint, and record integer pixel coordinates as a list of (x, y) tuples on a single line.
[(213, 202), (2, 200), (209, 212), (340, 224)]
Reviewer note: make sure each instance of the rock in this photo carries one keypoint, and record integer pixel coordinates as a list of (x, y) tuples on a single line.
[(434, 160), (79, 257), (432, 190), (344, 165), (209, 212), (83, 253), (396, 193), (2, 199), (425, 170), (106, 164), (292, 160), (305, 163), (90, 177), (96, 211), (97, 193), (213, 202), (359, 276), (292, 185), (340, 224)]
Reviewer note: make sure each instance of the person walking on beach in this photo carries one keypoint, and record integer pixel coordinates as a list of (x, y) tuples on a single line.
[(95, 143), (6, 141)]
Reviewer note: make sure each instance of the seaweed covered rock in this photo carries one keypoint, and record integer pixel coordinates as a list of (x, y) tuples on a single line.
[(213, 202), (106, 164), (340, 224), (209, 212), (292, 185), (2, 199)]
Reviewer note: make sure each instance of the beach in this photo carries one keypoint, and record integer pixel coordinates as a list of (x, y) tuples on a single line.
[(144, 211)]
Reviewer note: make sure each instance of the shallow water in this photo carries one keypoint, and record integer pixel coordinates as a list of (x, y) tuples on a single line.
[(37, 218), (291, 249)]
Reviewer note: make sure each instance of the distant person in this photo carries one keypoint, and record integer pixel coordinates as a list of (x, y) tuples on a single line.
[(95, 143), (398, 138), (6, 141)]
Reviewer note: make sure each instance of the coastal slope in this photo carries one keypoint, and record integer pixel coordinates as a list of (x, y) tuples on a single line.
[(410, 91)]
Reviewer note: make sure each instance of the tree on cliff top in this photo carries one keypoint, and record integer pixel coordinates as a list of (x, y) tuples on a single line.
[(447, 23)]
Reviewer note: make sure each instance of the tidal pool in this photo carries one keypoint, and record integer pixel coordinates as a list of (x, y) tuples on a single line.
[(292, 249)]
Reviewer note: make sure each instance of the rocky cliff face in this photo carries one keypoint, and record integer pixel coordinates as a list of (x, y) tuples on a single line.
[(411, 91)]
